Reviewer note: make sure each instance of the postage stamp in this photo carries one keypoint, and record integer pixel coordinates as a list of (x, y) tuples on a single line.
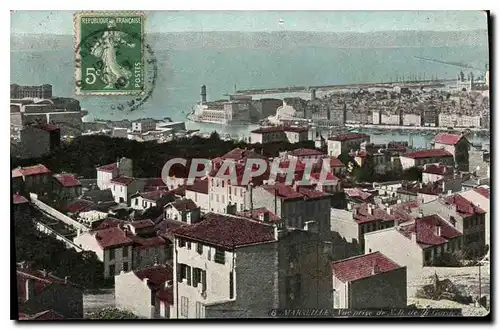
[(109, 51)]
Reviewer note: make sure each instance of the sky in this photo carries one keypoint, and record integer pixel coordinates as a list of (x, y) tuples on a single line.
[(61, 22)]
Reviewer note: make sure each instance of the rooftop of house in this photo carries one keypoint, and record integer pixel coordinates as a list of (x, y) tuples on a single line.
[(47, 127), (239, 173), (112, 237), (49, 314), (329, 176), (357, 193), (463, 205), (156, 275), (141, 224), (483, 191), (365, 213), (108, 168), (98, 195), (79, 205), (67, 180), (147, 242), (426, 229), (239, 154), (362, 266), (287, 192), (109, 223), (123, 180), (154, 184), (199, 186), (438, 168), (227, 231), (19, 199), (335, 162), (348, 137), (303, 152), (184, 205), (449, 139), (427, 153), (41, 280), (257, 214), (154, 195), (30, 170)]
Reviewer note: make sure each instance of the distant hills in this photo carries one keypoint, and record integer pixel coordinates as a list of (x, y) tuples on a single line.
[(273, 40)]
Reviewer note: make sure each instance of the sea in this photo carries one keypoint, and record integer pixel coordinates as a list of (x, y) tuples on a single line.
[(182, 72)]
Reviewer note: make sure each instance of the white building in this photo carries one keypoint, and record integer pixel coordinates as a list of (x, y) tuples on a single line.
[(147, 293), (147, 199), (345, 143), (108, 172), (198, 193), (229, 267), (124, 187), (481, 197), (369, 281), (184, 210), (422, 157), (143, 125), (411, 119)]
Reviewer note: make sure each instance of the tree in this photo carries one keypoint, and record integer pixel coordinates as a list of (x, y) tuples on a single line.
[(412, 174), (111, 314)]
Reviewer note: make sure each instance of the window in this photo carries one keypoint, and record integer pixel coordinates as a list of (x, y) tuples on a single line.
[(125, 251), (137, 201), (184, 306), (219, 256), (231, 285), (199, 310), (222, 183), (188, 243), (112, 270), (196, 276), (203, 280), (229, 190), (209, 254), (188, 275), (180, 272), (111, 254), (182, 242), (199, 248), (223, 201), (125, 266)]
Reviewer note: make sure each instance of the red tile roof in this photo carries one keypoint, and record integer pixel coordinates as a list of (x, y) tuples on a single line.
[(146, 243), (295, 129), (335, 162), (439, 169), (67, 180), (463, 205), (303, 152), (311, 193), (426, 229), (112, 237), (30, 170), (41, 280), (109, 223), (255, 214), (483, 191), (358, 193), (140, 224), (363, 266), (157, 275), (348, 136), (108, 168), (449, 139), (427, 153), (79, 205), (19, 199), (362, 215), (155, 195), (284, 191), (123, 180), (329, 176), (184, 205), (227, 231), (239, 154), (199, 186)]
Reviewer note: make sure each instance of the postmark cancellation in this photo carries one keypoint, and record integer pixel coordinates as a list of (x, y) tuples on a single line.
[(109, 51)]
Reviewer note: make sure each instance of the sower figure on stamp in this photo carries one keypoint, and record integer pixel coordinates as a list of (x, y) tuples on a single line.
[(105, 48)]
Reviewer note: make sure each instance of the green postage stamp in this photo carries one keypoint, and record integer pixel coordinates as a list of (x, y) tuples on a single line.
[(109, 53)]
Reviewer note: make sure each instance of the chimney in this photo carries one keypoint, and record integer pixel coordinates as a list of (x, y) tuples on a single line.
[(30, 288), (146, 280), (276, 237), (438, 230), (44, 273), (66, 278), (370, 209), (375, 268)]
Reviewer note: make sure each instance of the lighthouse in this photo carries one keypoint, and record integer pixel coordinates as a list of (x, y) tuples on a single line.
[(203, 94)]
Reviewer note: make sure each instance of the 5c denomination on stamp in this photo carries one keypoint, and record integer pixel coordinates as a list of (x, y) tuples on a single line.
[(109, 49)]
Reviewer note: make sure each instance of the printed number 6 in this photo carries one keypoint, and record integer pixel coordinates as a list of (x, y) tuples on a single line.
[(90, 77)]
